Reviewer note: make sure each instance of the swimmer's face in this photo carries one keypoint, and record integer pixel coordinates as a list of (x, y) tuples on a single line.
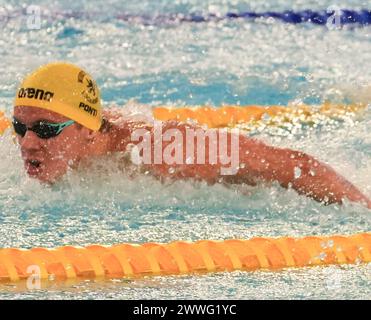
[(49, 159)]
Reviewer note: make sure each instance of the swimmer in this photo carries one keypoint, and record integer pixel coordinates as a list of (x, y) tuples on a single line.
[(59, 123)]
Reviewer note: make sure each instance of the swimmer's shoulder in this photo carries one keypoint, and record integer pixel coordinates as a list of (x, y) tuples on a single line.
[(119, 129)]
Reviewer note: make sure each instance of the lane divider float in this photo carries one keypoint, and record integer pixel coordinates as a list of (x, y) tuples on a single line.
[(248, 117), (181, 257), (345, 16), (253, 115)]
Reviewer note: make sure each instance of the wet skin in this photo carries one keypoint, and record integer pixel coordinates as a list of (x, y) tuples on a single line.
[(49, 159)]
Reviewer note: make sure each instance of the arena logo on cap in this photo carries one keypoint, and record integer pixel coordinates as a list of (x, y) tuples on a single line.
[(34, 93)]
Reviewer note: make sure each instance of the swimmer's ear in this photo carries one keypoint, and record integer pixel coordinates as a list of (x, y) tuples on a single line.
[(105, 126)]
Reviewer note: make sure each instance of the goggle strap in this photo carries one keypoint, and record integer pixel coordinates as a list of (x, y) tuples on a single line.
[(61, 126)]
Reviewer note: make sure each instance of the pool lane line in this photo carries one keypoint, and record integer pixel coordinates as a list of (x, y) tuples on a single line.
[(361, 17)]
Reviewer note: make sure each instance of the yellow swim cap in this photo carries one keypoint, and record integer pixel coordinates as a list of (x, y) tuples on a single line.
[(65, 89)]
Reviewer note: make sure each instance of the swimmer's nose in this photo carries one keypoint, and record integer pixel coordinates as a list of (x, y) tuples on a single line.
[(30, 141)]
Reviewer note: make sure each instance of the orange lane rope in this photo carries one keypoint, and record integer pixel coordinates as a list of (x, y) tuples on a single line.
[(230, 116), (180, 257), (4, 122)]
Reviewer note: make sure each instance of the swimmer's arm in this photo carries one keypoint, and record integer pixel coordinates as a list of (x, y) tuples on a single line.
[(300, 171)]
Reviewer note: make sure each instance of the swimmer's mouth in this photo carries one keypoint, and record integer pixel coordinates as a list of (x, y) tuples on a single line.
[(34, 163), (33, 167)]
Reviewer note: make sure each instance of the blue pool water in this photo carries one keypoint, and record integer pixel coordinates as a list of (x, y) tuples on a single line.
[(230, 62)]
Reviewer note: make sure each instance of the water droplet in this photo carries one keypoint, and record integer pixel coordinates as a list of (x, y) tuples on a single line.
[(297, 172), (312, 173), (242, 165), (266, 117), (171, 170), (322, 256), (262, 160)]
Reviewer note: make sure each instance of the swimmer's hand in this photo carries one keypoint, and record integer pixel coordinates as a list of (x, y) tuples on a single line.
[(299, 171)]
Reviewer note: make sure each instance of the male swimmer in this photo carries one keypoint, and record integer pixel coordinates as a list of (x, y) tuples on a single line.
[(59, 122)]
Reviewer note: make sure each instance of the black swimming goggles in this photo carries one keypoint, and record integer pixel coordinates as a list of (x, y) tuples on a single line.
[(43, 129)]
